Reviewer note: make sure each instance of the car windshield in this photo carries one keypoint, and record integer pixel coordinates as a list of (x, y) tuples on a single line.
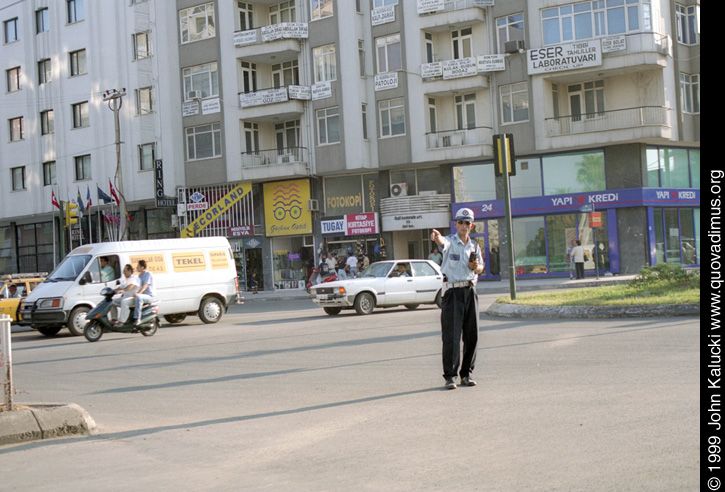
[(70, 268), (377, 270)]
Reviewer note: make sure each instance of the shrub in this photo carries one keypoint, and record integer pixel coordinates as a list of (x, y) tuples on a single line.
[(666, 274)]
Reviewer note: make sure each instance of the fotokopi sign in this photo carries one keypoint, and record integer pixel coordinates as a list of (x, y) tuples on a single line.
[(217, 210), (285, 208)]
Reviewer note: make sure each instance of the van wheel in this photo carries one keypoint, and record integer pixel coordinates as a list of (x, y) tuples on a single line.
[(174, 318), (211, 310), (49, 331), (77, 320)]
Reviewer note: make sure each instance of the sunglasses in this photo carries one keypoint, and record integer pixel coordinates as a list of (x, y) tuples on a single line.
[(464, 222)]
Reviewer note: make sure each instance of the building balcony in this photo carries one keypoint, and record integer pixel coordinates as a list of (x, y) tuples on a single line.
[(274, 43), (448, 76), (273, 104), (459, 138), (455, 14), (646, 121), (274, 163)]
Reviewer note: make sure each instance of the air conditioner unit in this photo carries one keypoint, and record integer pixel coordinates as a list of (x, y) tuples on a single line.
[(193, 95), (399, 189), (516, 46), (313, 205)]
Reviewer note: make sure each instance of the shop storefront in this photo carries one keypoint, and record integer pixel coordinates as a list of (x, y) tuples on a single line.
[(352, 234)]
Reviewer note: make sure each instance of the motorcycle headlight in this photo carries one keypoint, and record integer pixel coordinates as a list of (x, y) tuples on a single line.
[(50, 303)]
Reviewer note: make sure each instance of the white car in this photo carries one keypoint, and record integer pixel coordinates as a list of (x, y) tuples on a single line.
[(383, 284)]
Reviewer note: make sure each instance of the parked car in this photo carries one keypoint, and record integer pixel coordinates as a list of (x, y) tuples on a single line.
[(24, 284), (409, 283)]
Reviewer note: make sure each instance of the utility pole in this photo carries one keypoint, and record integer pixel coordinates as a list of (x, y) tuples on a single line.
[(505, 166), (115, 97)]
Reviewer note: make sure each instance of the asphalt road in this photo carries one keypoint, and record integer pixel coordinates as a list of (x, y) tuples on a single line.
[(280, 396)]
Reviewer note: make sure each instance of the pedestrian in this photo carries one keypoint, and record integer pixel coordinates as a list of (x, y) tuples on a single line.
[(578, 254), (365, 261), (352, 264), (435, 256), (570, 258), (254, 283), (462, 263), (341, 266)]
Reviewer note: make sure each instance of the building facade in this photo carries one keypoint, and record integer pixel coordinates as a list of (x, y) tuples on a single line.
[(361, 126)]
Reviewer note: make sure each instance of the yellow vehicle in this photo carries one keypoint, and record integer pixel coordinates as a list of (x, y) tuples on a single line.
[(14, 288)]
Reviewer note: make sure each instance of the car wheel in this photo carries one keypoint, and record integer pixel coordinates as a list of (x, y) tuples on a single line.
[(49, 331), (211, 310), (77, 320), (364, 303), (412, 306), (332, 311)]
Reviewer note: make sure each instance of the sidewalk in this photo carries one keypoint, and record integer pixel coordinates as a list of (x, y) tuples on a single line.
[(484, 287)]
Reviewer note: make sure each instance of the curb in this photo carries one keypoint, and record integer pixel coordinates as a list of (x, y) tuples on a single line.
[(592, 312), (32, 422)]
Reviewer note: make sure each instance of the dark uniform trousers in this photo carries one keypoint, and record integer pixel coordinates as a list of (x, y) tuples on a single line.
[(459, 321)]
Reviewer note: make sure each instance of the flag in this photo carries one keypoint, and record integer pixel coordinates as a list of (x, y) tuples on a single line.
[(116, 201), (81, 208), (102, 196), (54, 200), (128, 217), (88, 197)]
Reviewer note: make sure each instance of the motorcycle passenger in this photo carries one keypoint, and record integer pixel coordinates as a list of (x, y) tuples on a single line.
[(129, 285), (147, 292)]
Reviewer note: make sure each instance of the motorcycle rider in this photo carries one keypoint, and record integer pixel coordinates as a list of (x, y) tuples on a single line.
[(147, 292), (129, 286)]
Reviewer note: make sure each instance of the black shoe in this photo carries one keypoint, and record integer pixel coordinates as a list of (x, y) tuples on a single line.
[(450, 384), (467, 381)]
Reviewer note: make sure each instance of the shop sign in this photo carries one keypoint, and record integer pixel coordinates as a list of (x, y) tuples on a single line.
[(572, 56), (260, 98), (428, 6), (424, 220), (242, 38), (386, 81), (595, 219), (431, 70), (334, 227), (285, 210), (161, 199), (614, 43), (216, 210), (462, 67), (303, 92), (211, 106), (352, 225), (241, 231), (382, 15), (253, 243), (189, 108), (285, 30), (491, 63), (321, 90)]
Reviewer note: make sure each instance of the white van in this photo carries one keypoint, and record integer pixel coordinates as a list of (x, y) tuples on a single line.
[(191, 275)]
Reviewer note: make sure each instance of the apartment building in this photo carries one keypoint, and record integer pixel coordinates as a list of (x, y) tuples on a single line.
[(362, 124)]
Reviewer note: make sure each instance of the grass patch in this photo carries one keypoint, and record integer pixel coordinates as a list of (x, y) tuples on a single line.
[(662, 284)]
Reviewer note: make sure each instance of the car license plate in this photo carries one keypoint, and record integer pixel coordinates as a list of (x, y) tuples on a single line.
[(322, 297)]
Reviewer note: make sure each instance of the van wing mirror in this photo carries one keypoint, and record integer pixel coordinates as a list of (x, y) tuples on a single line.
[(85, 279)]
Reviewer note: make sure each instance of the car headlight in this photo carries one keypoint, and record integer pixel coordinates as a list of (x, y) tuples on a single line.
[(54, 302)]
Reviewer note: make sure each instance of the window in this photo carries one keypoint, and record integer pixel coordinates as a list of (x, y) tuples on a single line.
[(203, 142), (509, 28), (573, 173), (197, 23), (80, 115), (282, 12), (203, 78), (384, 3), (251, 137), (49, 177), (514, 103), (429, 49), (328, 126), (287, 136), (78, 63), (690, 93), (10, 28), (82, 167), (16, 129), (320, 9), (671, 168), (144, 100), (18, 178), (586, 100), (75, 11), (432, 115), (13, 76), (392, 117), (246, 16), (361, 56), (466, 111), (284, 74), (249, 76), (46, 122), (325, 63), (42, 21), (146, 156), (462, 43), (45, 74), (686, 24), (365, 121), (388, 50), (589, 20), (141, 45)]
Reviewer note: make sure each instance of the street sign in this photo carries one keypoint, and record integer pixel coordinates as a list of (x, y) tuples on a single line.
[(595, 219)]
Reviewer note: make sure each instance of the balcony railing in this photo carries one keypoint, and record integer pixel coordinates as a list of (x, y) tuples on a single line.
[(458, 138), (273, 95), (415, 204), (618, 119), (450, 5), (273, 157)]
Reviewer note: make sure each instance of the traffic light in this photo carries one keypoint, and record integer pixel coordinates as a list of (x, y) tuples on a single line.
[(503, 152), (71, 214)]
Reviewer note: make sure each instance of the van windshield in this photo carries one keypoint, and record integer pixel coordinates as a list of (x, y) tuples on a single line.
[(70, 268)]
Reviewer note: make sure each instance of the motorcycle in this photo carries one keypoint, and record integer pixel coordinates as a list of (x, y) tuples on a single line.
[(98, 319), (317, 278)]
